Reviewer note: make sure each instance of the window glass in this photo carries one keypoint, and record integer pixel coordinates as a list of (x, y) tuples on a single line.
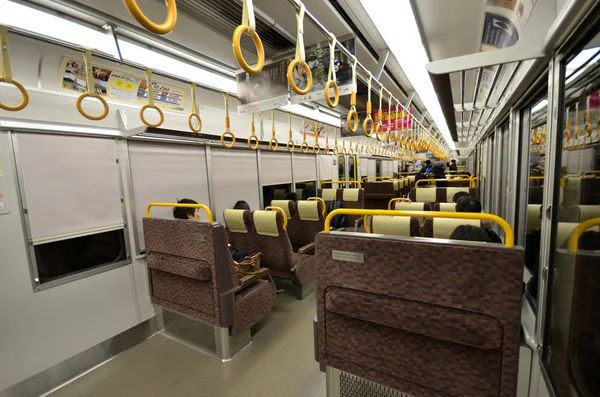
[(304, 190), (572, 335), (275, 192)]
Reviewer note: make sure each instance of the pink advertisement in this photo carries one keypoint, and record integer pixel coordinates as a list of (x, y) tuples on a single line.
[(401, 121)]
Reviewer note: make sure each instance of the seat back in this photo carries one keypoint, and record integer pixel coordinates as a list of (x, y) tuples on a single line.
[(432, 324), (407, 226), (443, 227), (189, 268), (353, 198), (445, 207), (378, 193), (451, 191), (423, 194), (590, 190), (406, 206), (239, 229), (534, 219), (307, 222), (286, 205), (271, 239), (329, 194)]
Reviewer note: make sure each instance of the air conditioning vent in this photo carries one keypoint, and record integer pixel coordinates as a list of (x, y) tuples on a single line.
[(223, 16)]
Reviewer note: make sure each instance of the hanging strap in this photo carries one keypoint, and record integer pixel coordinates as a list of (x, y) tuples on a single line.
[(303, 130), (354, 61), (380, 98), (6, 70), (227, 123), (332, 44), (300, 54), (89, 72), (149, 87), (194, 106), (248, 17), (390, 112), (369, 85)]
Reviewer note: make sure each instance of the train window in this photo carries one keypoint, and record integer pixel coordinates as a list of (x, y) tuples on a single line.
[(59, 259), (377, 167), (306, 189), (275, 192), (352, 168), (341, 167), (572, 336)]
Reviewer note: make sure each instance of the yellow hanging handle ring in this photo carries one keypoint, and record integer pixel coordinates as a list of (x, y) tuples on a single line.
[(160, 114), (250, 145), (368, 121), (316, 148), (84, 114), (336, 94), (335, 151), (143, 20), (230, 134), (24, 93), (352, 119), (237, 50), (304, 147), (290, 146), (191, 118), (290, 77), (273, 144)]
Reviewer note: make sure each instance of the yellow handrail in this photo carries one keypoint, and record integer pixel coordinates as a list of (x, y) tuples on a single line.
[(285, 220), (456, 172), (406, 173), (209, 215), (357, 183), (591, 172), (470, 180), (508, 232), (322, 202), (397, 199), (577, 232), (366, 178)]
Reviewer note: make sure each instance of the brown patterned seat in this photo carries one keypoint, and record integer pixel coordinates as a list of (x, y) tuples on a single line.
[(443, 227), (271, 239), (406, 226), (438, 323), (353, 198), (191, 271), (308, 220), (239, 225), (378, 194)]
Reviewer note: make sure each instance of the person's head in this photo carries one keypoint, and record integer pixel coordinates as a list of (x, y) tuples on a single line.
[(468, 204), (192, 214), (459, 195), (453, 162), (427, 163), (291, 196), (241, 205), (470, 233), (439, 164)]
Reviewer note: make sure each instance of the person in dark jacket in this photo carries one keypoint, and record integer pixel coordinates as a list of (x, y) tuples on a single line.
[(452, 165)]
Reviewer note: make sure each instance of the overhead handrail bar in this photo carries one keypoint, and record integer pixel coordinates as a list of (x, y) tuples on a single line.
[(397, 200), (383, 178), (508, 232), (573, 243), (357, 183), (279, 209), (209, 215), (590, 172)]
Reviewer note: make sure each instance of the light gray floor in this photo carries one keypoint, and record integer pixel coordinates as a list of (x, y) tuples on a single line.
[(279, 362)]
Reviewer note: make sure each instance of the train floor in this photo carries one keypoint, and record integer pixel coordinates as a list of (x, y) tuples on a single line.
[(279, 362)]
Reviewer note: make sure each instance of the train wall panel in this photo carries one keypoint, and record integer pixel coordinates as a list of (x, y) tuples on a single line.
[(276, 168), (305, 168), (41, 329)]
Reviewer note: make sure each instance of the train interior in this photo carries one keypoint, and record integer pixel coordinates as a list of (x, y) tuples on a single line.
[(341, 198)]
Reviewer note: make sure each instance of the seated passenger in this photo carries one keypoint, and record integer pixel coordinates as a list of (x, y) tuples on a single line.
[(241, 205), (293, 196), (590, 240), (470, 233), (192, 214), (459, 195), (471, 204)]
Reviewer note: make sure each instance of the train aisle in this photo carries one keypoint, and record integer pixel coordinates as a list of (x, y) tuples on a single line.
[(279, 362)]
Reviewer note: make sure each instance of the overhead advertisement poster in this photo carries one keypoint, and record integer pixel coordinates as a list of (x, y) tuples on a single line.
[(505, 21), (124, 87), (265, 90), (317, 58), (401, 120)]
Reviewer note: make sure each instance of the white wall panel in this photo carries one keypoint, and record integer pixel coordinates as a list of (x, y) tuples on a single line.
[(276, 168), (166, 173), (325, 167), (71, 183), (305, 167), (371, 167), (41, 329), (235, 177)]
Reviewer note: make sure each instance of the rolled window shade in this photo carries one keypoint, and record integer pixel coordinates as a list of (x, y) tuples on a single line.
[(276, 168), (305, 168), (325, 167), (372, 167), (165, 173), (71, 185), (235, 177)]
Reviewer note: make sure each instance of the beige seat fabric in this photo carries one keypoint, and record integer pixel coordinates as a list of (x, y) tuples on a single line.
[(533, 216), (350, 194), (265, 223), (451, 191), (447, 207), (406, 206), (234, 220), (587, 212), (443, 227), (329, 194), (284, 204), (308, 210), (425, 195), (392, 225)]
